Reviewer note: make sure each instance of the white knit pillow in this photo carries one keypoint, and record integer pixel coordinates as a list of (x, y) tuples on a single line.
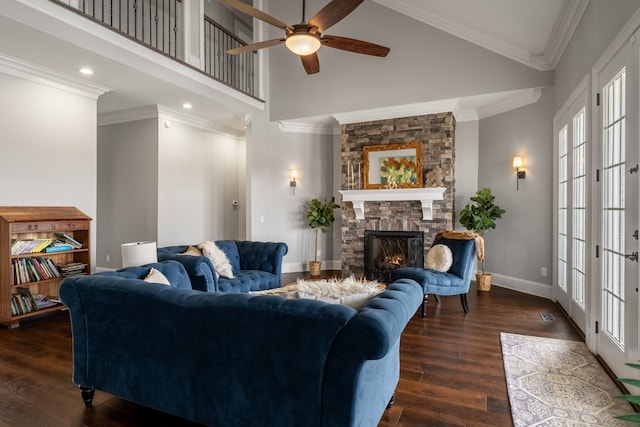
[(218, 258), (156, 276), (439, 258)]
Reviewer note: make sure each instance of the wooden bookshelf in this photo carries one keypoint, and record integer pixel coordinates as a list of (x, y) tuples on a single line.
[(28, 222)]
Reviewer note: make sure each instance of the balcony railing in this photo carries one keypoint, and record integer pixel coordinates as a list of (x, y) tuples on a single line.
[(235, 70), (158, 24), (153, 22)]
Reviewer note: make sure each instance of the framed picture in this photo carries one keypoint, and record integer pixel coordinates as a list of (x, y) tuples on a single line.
[(393, 165)]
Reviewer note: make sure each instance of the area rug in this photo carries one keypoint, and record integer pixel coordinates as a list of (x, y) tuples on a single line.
[(554, 382)]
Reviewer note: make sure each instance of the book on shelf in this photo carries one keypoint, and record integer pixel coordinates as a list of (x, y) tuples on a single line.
[(68, 239), (71, 269), (29, 246), (27, 298), (43, 301), (25, 270), (58, 248)]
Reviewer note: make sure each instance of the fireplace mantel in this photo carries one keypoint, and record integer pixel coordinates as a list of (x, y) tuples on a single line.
[(426, 196)]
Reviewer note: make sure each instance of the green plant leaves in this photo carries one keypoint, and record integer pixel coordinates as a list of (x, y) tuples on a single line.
[(320, 214), (635, 418), (481, 216)]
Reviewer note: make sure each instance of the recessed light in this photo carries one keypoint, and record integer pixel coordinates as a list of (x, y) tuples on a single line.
[(187, 106), (86, 71)]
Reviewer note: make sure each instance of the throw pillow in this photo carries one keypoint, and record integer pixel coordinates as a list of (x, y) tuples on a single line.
[(439, 258), (155, 276), (218, 258), (192, 251)]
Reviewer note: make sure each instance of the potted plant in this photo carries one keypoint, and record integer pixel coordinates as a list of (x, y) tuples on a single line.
[(320, 216), (480, 217)]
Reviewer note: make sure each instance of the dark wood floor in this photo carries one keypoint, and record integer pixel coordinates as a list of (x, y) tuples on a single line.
[(451, 367)]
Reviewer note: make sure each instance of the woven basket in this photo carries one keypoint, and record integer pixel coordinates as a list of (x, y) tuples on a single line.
[(483, 281), (314, 268)]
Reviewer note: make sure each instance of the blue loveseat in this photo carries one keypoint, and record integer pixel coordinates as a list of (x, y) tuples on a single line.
[(256, 266), (237, 359)]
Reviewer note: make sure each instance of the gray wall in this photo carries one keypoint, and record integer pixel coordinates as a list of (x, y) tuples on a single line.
[(600, 24), (425, 64), (277, 215), (521, 243), (174, 185), (466, 165), (127, 187), (48, 147)]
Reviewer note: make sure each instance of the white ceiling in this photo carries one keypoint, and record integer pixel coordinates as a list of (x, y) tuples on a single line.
[(533, 32)]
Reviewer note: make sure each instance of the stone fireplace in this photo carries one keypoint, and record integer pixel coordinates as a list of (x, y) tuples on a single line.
[(436, 133), (384, 251)]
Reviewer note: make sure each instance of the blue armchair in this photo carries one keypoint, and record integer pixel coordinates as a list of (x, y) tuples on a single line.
[(455, 281)]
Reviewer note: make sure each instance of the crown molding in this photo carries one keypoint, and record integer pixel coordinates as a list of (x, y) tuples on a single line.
[(463, 113), (308, 128), (130, 115), (162, 112), (520, 99), (28, 71), (563, 30), (409, 110), (567, 22)]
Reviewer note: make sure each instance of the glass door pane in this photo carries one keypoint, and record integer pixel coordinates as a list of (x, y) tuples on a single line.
[(613, 209)]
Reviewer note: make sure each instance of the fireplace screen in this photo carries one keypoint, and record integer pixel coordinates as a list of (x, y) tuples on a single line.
[(385, 251)]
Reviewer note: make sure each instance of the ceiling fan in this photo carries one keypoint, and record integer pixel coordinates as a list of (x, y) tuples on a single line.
[(304, 39)]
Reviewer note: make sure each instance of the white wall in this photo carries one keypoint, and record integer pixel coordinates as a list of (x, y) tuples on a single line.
[(48, 147), (198, 179)]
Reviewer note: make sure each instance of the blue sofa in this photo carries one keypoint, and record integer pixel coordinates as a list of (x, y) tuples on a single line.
[(256, 266), (237, 359)]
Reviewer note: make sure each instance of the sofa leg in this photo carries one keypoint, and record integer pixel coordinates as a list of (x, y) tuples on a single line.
[(391, 401), (424, 306), (437, 297), (87, 395), (463, 300)]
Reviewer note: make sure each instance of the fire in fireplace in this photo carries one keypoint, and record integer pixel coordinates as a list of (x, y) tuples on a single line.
[(384, 251)]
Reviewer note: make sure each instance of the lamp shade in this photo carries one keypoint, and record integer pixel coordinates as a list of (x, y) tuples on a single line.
[(303, 44), (139, 253), (517, 162)]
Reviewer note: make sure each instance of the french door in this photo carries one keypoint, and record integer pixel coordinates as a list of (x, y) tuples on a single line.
[(616, 131), (572, 228)]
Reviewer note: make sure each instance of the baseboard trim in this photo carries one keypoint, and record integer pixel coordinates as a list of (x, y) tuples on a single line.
[(526, 286)]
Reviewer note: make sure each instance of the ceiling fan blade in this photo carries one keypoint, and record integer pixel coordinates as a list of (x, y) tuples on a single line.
[(333, 13), (256, 13), (353, 45), (311, 63), (255, 46)]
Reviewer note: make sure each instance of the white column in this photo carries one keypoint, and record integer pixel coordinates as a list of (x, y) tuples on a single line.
[(193, 37)]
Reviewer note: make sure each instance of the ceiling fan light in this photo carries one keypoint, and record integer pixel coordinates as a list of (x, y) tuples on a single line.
[(303, 44)]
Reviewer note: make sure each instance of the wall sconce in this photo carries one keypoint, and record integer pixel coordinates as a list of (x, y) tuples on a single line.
[(520, 174), (292, 183)]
